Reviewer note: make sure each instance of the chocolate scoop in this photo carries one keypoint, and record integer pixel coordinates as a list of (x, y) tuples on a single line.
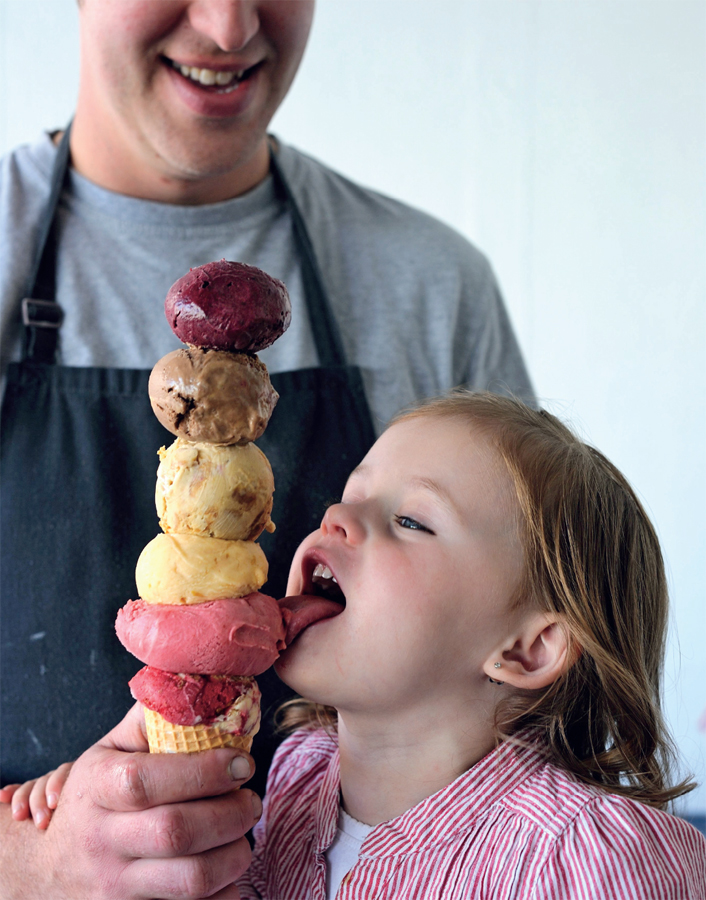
[(212, 395)]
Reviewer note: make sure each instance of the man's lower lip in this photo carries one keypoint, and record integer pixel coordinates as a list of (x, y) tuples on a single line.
[(213, 103)]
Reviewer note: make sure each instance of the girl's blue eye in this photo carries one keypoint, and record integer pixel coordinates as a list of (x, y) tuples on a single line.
[(412, 524)]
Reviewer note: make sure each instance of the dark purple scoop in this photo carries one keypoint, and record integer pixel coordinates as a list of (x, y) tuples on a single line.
[(228, 306)]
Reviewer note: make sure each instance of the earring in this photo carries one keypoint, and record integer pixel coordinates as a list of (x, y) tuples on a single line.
[(497, 665)]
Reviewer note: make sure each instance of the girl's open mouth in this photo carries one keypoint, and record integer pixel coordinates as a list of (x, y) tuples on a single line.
[(323, 583), (320, 598)]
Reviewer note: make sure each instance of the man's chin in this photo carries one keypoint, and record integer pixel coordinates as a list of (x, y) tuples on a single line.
[(209, 168)]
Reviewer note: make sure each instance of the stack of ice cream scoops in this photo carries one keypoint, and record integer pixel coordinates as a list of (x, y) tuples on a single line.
[(201, 624)]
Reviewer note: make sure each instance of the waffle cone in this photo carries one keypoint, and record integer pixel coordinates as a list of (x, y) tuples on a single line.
[(165, 737)]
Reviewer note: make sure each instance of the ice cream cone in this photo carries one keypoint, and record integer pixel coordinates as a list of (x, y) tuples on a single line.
[(214, 498), (165, 737)]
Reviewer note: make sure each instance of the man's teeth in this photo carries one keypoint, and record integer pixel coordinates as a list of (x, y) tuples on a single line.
[(323, 576), (208, 76)]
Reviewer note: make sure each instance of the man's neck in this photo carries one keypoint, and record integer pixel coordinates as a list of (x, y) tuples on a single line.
[(117, 168), (389, 765)]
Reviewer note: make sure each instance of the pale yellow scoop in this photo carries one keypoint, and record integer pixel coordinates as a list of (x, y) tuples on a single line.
[(187, 568)]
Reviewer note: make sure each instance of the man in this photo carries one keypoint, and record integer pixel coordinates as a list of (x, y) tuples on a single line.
[(171, 167)]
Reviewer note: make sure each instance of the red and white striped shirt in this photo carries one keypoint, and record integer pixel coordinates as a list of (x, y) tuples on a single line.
[(513, 826)]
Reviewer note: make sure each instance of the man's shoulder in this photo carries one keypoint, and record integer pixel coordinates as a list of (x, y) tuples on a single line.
[(25, 175), (28, 166), (329, 199)]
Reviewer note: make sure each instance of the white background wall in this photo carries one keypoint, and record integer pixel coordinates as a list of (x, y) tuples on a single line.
[(567, 139)]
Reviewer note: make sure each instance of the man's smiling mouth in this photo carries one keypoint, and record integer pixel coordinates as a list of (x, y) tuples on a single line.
[(221, 82)]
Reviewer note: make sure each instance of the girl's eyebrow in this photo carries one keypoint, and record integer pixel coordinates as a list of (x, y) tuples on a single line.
[(420, 481), (442, 493)]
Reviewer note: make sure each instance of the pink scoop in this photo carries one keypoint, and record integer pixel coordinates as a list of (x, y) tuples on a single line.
[(240, 636)]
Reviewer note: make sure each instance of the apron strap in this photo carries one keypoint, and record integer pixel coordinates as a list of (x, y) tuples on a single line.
[(327, 337), (41, 314)]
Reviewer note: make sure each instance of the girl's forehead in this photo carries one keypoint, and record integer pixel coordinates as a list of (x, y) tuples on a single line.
[(437, 447), (424, 437)]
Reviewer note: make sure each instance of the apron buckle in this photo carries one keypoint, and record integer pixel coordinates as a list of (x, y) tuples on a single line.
[(41, 313)]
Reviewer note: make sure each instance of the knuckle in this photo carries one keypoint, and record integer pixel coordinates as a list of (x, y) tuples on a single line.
[(199, 880), (93, 844), (245, 809), (173, 834), (132, 784), (98, 779)]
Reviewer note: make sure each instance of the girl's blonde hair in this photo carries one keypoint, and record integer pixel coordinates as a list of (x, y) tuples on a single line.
[(591, 557)]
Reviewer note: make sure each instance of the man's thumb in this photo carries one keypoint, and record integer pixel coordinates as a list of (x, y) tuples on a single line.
[(129, 734)]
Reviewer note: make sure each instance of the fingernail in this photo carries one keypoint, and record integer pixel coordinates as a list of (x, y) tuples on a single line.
[(52, 800), (240, 768), (39, 816), (256, 806)]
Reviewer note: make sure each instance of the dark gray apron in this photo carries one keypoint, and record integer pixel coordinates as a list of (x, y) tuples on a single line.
[(77, 474)]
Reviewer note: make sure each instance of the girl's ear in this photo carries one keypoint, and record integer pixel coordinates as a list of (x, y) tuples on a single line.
[(536, 658)]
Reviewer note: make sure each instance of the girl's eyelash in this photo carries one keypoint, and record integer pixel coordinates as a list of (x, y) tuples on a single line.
[(412, 524)]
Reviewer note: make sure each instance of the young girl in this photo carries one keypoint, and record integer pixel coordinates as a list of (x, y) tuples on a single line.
[(482, 718)]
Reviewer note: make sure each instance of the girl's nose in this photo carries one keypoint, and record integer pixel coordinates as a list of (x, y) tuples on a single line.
[(231, 24), (343, 520)]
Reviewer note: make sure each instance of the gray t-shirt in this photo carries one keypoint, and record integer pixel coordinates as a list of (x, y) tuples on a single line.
[(417, 305)]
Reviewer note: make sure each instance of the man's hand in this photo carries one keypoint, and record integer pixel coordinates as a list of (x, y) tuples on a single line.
[(132, 825)]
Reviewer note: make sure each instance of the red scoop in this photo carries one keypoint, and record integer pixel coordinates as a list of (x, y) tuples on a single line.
[(189, 699)]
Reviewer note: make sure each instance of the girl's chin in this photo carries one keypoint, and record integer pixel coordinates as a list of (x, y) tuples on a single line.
[(280, 666), (288, 665), (300, 677)]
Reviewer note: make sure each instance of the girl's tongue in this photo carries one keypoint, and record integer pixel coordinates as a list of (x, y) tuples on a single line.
[(303, 610)]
